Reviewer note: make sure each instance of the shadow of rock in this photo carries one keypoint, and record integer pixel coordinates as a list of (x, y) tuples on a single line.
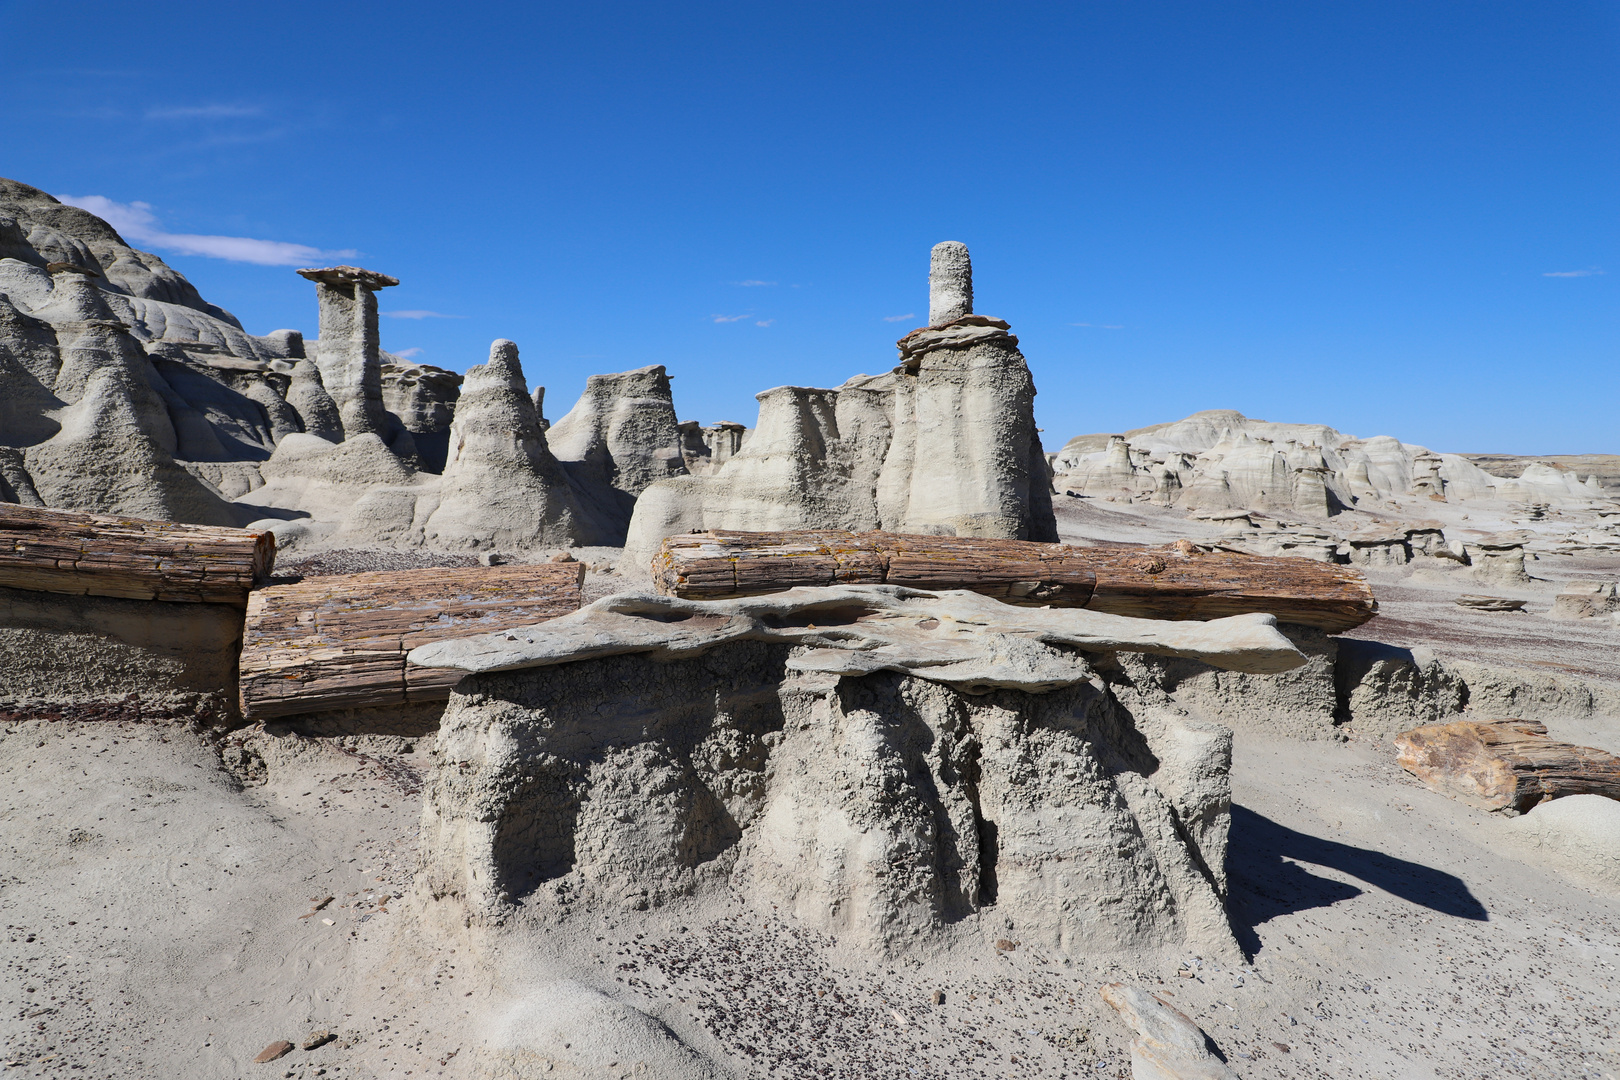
[(1267, 882)]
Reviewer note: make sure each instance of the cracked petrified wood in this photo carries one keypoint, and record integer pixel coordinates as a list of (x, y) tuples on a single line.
[(723, 563), (340, 642), (1507, 765), (62, 551), (1170, 583)]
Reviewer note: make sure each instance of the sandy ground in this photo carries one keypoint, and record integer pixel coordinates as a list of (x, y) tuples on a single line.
[(162, 918)]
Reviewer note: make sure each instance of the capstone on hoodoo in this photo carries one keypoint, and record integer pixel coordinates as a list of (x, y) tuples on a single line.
[(944, 444)]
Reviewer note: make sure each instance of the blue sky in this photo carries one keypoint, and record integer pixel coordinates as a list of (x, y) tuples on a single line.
[(1394, 218)]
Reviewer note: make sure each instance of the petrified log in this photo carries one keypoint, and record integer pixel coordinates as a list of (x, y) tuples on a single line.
[(1507, 764), (98, 555), (340, 642), (721, 564), (1176, 583)]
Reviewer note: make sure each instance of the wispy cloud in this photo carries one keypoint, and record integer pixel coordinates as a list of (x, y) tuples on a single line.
[(136, 222), (765, 322), (1591, 272), (731, 318), (204, 112), (752, 283), (407, 354), (1099, 326), (415, 314), (900, 318)]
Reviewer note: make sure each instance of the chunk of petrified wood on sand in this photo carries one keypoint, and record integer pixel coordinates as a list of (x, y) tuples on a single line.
[(1176, 583), (340, 642), (1508, 765), (62, 551), (1168, 1045)]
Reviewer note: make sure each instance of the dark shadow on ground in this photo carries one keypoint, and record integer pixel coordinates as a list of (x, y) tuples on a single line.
[(1265, 883)]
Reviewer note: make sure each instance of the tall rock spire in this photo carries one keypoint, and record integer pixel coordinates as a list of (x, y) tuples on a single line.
[(950, 283)]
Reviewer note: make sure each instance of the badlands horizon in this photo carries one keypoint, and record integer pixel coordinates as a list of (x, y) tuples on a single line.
[(136, 215)]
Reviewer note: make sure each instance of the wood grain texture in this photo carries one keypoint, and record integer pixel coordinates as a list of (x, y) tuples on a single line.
[(1164, 583), (62, 551), (1169, 583), (340, 642), (1504, 764), (721, 563)]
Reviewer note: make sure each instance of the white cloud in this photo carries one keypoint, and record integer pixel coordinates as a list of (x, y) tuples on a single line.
[(900, 318), (136, 223), (1099, 326), (1593, 272), (204, 112), (407, 354), (731, 318), (752, 283), (416, 314), (765, 322)]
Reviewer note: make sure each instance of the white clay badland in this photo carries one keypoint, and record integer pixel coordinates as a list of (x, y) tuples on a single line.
[(770, 837)]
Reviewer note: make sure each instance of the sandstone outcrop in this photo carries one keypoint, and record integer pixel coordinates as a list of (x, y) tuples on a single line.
[(944, 444), (705, 449), (502, 487), (887, 794), (1580, 832), (1223, 460), (620, 437)]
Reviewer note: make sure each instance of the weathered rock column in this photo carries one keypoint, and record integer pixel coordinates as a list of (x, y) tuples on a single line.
[(950, 283), (965, 458), (349, 361)]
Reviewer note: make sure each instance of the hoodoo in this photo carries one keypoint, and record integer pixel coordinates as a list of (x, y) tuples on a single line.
[(944, 444)]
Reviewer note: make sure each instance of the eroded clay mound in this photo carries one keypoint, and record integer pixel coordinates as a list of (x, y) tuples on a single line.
[(887, 808)]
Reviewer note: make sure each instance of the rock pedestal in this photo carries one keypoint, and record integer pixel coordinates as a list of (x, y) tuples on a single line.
[(350, 359), (886, 808)]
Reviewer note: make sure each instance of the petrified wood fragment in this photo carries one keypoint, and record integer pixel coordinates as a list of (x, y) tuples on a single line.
[(340, 642), (1507, 764), (1172, 583), (98, 555)]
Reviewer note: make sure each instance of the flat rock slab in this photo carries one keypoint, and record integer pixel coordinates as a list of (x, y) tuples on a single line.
[(1507, 765), (1490, 603), (958, 638), (340, 641)]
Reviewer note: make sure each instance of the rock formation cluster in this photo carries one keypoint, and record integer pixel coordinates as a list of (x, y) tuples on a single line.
[(123, 392), (1222, 461), (943, 444)]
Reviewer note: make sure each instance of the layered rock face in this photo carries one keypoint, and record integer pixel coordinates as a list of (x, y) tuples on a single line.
[(884, 808), (1221, 460), (945, 444)]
